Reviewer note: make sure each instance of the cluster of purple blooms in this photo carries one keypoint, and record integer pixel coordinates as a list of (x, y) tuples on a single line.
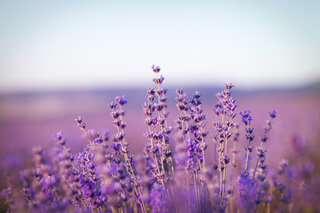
[(171, 176)]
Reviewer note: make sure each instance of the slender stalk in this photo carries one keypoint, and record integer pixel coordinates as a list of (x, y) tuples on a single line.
[(247, 160), (225, 168), (257, 163), (137, 188)]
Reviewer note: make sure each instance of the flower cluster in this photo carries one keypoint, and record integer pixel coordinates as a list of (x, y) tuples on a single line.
[(174, 174)]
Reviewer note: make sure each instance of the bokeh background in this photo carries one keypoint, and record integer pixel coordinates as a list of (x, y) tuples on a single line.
[(61, 59)]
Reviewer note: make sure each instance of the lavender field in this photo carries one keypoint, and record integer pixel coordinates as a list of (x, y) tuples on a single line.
[(226, 120), (219, 149)]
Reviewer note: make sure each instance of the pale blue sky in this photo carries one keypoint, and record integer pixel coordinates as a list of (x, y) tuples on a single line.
[(87, 44)]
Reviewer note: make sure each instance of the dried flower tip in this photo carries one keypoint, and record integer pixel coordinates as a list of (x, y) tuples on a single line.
[(249, 130), (106, 135), (160, 92), (115, 114), (112, 106), (226, 93), (250, 137), (246, 117), (218, 109), (82, 125), (98, 140), (155, 69), (116, 146), (58, 136), (196, 95), (179, 91), (150, 98), (165, 91), (273, 113), (79, 119), (159, 80), (283, 163), (248, 148), (264, 139), (151, 91), (229, 85), (121, 100)]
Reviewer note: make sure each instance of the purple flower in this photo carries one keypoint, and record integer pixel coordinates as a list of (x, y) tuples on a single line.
[(157, 198), (120, 100), (247, 192), (159, 80), (229, 86), (246, 117), (155, 69), (273, 113)]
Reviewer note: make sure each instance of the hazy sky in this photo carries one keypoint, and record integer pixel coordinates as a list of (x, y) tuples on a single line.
[(86, 44)]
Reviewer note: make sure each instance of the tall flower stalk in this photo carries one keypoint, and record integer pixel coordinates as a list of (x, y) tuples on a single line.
[(225, 112), (161, 126), (246, 119), (119, 137)]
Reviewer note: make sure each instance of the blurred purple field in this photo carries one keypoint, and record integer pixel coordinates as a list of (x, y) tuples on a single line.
[(32, 119), (28, 120)]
